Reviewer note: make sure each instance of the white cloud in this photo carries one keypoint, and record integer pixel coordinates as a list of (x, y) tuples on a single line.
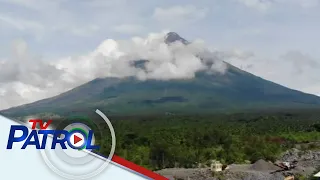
[(179, 14), (116, 58)]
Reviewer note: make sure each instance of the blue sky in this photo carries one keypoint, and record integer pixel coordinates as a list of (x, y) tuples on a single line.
[(282, 35)]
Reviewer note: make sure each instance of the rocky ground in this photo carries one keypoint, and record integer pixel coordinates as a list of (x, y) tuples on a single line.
[(260, 170), (308, 161)]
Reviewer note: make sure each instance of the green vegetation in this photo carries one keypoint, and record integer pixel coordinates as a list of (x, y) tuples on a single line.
[(185, 141)]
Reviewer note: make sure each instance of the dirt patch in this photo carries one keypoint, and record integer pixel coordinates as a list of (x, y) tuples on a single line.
[(262, 165)]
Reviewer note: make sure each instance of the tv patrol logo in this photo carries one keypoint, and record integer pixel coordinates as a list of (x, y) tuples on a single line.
[(76, 138), (67, 152)]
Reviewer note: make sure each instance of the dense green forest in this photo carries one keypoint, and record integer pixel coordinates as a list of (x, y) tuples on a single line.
[(158, 142)]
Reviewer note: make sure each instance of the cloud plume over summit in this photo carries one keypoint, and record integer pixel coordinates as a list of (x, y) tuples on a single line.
[(162, 61)]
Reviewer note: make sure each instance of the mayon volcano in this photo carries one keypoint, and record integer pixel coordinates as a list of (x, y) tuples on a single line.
[(172, 82)]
